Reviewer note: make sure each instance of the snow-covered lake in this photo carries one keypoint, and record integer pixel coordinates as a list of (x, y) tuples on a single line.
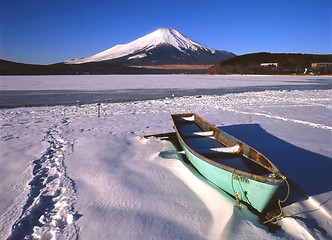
[(73, 90), (67, 174)]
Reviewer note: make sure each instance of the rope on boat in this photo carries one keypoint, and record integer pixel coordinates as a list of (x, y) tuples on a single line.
[(236, 194), (279, 202)]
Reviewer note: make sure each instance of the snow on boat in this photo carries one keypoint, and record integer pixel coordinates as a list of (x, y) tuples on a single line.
[(227, 162)]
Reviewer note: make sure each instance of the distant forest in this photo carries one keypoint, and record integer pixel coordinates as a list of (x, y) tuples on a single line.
[(275, 63)]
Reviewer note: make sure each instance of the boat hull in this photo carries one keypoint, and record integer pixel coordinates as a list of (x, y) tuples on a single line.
[(246, 187), (255, 193)]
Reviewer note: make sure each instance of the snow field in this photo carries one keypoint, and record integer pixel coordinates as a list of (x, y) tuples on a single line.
[(72, 174)]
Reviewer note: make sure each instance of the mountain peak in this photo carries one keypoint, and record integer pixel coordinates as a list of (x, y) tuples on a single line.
[(137, 49), (174, 38), (165, 29), (166, 32)]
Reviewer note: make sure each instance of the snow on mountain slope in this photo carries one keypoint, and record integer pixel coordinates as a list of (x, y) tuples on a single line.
[(137, 49)]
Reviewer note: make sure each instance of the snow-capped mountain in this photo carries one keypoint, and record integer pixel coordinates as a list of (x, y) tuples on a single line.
[(163, 46)]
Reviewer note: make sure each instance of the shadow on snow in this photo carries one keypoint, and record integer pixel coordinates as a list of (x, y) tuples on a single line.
[(307, 172)]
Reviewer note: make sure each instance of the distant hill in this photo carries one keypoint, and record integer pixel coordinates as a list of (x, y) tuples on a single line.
[(13, 68), (256, 63), (275, 63)]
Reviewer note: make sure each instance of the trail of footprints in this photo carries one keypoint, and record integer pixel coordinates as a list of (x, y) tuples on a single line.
[(49, 210)]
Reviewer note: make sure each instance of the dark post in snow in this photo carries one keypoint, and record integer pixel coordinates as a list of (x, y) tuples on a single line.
[(98, 104)]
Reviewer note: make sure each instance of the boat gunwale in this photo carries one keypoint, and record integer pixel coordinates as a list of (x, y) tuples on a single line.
[(274, 170)]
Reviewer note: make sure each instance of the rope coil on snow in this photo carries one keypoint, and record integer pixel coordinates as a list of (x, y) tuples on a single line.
[(280, 201)]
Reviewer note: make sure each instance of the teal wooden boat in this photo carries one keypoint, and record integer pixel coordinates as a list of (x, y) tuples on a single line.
[(227, 162)]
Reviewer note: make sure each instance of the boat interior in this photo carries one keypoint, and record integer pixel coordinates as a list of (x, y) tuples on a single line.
[(205, 144)]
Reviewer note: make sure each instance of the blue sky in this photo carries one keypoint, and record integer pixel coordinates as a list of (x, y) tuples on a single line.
[(50, 31)]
